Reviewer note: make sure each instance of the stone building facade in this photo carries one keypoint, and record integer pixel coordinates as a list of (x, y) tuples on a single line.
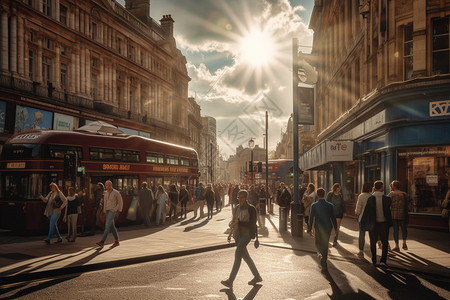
[(94, 60), (381, 101)]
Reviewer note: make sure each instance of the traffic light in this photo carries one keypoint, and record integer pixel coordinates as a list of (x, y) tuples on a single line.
[(70, 165), (250, 166), (292, 171), (260, 166)]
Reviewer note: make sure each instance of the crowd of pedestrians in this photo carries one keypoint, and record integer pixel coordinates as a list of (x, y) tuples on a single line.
[(323, 212), (376, 213)]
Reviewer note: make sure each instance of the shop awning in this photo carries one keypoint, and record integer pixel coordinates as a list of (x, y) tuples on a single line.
[(325, 153)]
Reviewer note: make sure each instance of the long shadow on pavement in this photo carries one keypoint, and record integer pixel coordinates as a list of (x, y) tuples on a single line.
[(251, 294), (201, 224), (34, 288), (398, 284)]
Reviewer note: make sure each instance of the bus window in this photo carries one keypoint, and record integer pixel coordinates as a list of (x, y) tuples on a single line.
[(184, 162), (131, 156), (126, 185), (21, 187), (172, 160), (195, 163), (58, 151), (20, 151), (155, 158)]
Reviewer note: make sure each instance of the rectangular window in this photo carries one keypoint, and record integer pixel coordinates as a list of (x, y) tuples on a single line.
[(63, 14), (64, 76), (93, 85), (94, 62), (94, 31), (131, 156), (172, 160), (46, 69), (31, 64), (47, 43), (184, 162), (58, 151), (195, 163), (119, 45), (441, 46), (47, 7), (114, 155), (408, 52), (155, 158)]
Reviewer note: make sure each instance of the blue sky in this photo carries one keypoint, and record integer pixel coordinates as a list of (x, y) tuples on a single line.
[(239, 57)]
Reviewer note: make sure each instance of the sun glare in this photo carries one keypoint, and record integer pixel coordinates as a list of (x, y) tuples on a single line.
[(257, 49)]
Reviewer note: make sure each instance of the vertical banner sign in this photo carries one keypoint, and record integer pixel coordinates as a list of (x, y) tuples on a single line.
[(305, 105)]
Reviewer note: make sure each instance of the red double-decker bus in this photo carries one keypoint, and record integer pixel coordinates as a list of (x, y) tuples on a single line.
[(31, 160)]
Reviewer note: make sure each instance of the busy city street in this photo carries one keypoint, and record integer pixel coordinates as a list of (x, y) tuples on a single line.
[(188, 259), (204, 149)]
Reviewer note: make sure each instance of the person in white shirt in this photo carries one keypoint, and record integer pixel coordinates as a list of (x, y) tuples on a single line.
[(113, 204)]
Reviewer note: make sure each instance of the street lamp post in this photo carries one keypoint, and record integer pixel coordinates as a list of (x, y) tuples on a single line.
[(251, 145)]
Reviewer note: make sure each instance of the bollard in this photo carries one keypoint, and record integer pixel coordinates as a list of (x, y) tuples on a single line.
[(262, 206), (283, 219)]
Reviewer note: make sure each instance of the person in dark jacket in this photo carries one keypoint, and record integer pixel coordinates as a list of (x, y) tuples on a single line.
[(284, 199), (335, 197), (71, 214), (379, 206), (210, 199), (98, 199), (184, 199), (174, 197), (145, 203), (243, 226), (323, 219)]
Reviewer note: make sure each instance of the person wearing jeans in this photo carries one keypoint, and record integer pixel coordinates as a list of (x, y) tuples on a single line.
[(399, 211), (113, 204), (244, 228), (359, 211), (53, 211)]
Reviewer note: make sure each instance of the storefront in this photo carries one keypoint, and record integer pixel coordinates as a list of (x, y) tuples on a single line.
[(426, 174), (332, 162)]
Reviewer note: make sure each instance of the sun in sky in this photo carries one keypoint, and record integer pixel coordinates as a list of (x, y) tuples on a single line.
[(257, 48)]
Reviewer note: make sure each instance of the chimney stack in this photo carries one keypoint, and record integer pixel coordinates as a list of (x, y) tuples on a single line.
[(167, 25), (139, 8)]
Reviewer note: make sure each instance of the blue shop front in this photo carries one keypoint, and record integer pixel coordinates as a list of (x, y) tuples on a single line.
[(401, 133)]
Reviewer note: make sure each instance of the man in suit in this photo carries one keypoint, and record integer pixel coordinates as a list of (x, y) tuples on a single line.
[(323, 218), (379, 206)]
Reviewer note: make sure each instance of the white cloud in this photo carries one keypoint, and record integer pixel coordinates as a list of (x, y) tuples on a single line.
[(210, 34)]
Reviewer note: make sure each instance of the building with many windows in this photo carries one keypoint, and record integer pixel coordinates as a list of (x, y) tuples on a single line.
[(65, 63), (382, 99), (208, 153)]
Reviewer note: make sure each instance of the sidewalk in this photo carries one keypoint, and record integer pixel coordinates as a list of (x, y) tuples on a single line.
[(22, 258)]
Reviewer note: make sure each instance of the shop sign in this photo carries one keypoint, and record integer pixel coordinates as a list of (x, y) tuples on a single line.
[(339, 150), (63, 122), (432, 179), (440, 108)]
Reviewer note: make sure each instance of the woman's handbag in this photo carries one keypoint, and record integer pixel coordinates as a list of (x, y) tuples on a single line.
[(256, 243), (444, 213), (57, 202), (102, 217)]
